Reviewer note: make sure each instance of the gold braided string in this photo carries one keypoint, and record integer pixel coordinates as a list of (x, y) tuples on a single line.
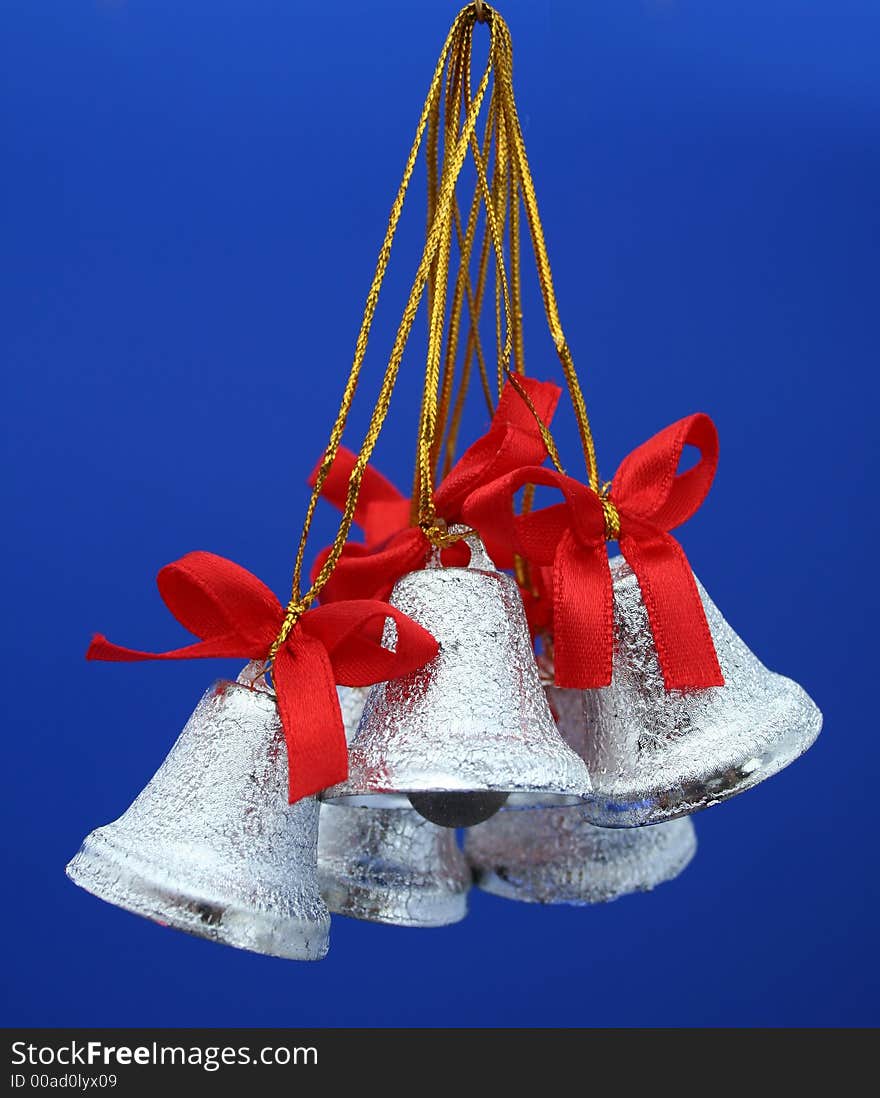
[(463, 289), (430, 408), (504, 192), (424, 498), (499, 195), (612, 516), (547, 438), (519, 181), (512, 181), (432, 182), (473, 346), (516, 319), (494, 200), (542, 260), (438, 229), (458, 97), (473, 349), (299, 602), (475, 299), (454, 83)]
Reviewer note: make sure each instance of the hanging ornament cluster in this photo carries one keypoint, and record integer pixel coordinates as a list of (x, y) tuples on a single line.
[(473, 660)]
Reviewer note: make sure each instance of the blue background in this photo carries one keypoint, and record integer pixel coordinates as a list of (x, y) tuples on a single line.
[(193, 195)]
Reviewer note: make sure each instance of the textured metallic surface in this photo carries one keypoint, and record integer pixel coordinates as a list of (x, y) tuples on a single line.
[(388, 865), (211, 845), (352, 700), (654, 755), (556, 856), (473, 719)]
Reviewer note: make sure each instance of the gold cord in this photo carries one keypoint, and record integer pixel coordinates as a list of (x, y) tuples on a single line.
[(423, 497), (499, 196), (549, 444), (542, 260), (430, 413), (463, 289), (612, 516), (361, 344), (462, 25), (473, 348)]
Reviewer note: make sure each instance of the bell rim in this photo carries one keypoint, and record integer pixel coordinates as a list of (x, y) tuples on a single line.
[(493, 884), (622, 805), (398, 799), (424, 909), (540, 885), (143, 894)]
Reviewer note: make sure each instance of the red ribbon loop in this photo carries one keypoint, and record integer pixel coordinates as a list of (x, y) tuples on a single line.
[(235, 614), (392, 547), (513, 439), (381, 508), (650, 497), (648, 483)]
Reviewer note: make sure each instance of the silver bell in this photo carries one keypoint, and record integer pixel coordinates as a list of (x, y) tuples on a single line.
[(472, 729), (556, 856), (388, 865), (211, 845), (654, 755)]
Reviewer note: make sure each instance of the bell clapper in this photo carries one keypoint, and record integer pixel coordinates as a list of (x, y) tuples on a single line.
[(457, 809)]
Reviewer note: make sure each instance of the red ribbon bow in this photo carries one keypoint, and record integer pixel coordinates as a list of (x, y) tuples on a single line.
[(392, 547), (650, 498), (235, 614)]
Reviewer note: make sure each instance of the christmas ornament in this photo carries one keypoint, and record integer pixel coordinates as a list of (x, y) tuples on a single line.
[(212, 846), (653, 753), (678, 728), (671, 711), (471, 730), (388, 865), (206, 847), (556, 856)]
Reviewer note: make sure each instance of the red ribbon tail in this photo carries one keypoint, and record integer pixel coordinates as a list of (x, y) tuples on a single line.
[(583, 615), (102, 649), (310, 716), (685, 648)]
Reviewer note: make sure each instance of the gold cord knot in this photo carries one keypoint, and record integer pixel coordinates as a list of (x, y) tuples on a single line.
[(612, 515), (437, 533), (292, 614)]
